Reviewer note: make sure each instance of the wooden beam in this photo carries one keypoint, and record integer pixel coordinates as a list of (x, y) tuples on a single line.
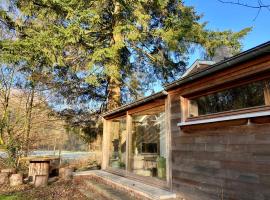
[(118, 115), (168, 142), (156, 103)]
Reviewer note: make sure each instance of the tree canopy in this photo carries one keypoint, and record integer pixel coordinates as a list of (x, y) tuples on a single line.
[(107, 52)]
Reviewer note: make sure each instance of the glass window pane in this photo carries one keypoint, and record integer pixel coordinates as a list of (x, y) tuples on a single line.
[(148, 146), (117, 157), (246, 96)]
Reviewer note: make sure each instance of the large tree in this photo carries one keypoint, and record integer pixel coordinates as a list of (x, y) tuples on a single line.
[(115, 49)]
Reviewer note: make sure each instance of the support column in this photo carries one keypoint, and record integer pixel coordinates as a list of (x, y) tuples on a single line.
[(105, 144), (168, 141), (129, 142)]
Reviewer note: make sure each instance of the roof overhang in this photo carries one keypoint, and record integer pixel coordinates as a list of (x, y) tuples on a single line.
[(135, 104), (263, 49), (257, 51)]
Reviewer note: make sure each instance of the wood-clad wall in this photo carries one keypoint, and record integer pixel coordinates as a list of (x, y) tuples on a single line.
[(228, 161), (224, 160), (223, 163)]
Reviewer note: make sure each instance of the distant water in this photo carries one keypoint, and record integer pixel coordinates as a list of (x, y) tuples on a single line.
[(65, 155)]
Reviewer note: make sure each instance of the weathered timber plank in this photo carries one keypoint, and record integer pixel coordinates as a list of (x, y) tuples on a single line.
[(219, 156), (222, 187), (191, 193)]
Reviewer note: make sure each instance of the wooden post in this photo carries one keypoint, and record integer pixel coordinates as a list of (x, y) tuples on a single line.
[(129, 142), (184, 108), (66, 173), (168, 141), (105, 143), (38, 168), (103, 163)]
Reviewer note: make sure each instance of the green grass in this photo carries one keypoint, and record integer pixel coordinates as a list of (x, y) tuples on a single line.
[(8, 197)]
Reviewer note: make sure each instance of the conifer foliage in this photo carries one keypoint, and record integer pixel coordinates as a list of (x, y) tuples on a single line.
[(116, 49)]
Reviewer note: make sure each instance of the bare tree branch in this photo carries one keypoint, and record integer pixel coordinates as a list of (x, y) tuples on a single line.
[(259, 11), (259, 5)]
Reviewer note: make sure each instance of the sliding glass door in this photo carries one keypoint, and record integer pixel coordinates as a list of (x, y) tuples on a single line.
[(148, 143), (118, 136), (137, 144)]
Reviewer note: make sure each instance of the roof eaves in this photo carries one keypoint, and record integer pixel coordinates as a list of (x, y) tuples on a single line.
[(244, 56), (135, 103)]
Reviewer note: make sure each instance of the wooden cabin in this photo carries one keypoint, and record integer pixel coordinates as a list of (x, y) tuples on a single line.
[(206, 136)]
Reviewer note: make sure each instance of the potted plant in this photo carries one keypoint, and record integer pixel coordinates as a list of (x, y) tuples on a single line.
[(161, 167)]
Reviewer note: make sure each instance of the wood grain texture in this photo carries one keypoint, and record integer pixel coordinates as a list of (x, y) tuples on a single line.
[(223, 160), (229, 162), (38, 168)]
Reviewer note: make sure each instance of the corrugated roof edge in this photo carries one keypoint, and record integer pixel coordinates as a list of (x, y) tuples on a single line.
[(135, 103), (241, 57)]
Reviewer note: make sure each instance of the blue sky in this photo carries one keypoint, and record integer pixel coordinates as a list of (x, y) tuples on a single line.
[(226, 16)]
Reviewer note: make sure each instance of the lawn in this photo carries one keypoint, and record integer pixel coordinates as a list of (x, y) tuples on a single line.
[(9, 197)]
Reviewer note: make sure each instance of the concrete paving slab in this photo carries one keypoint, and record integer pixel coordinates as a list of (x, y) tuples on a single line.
[(137, 187)]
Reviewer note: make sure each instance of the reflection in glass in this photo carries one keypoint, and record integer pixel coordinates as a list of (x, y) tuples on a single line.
[(148, 146), (246, 96), (117, 157)]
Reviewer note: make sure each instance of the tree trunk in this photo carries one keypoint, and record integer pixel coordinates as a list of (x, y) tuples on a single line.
[(54, 146), (38, 168), (114, 91), (4, 180), (41, 181), (66, 173), (114, 95), (16, 180), (6, 93), (28, 119)]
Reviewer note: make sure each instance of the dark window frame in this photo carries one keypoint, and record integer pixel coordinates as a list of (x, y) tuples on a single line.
[(185, 102)]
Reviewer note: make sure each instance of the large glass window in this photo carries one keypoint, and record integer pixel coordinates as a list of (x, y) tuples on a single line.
[(117, 155), (245, 96), (148, 143)]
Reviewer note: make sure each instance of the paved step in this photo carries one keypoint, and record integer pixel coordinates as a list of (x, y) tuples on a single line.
[(106, 192), (90, 195), (117, 183)]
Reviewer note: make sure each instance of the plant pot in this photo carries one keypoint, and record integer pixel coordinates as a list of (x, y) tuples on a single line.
[(161, 167), (116, 164)]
